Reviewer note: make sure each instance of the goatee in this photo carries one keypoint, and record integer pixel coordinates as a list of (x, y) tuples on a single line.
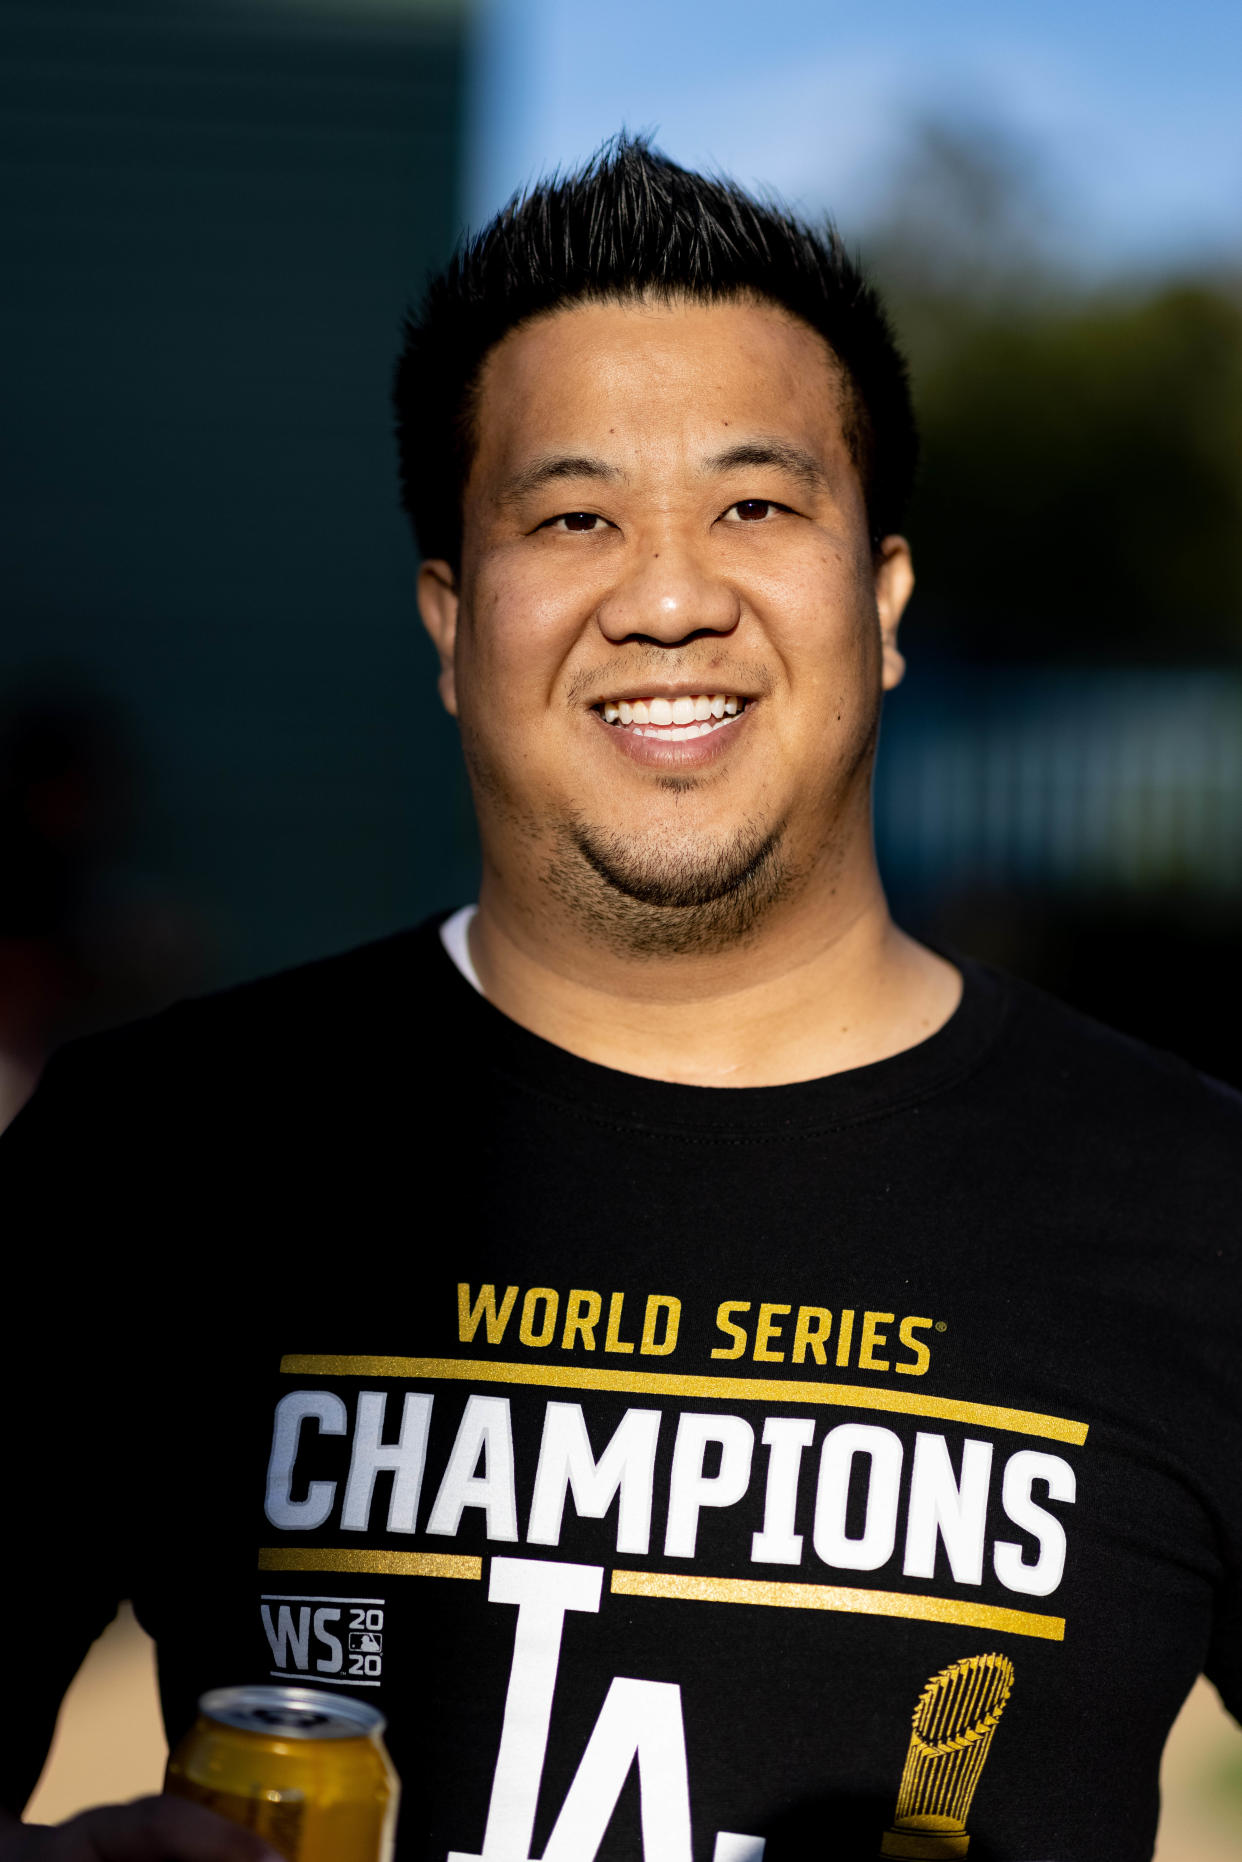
[(669, 900)]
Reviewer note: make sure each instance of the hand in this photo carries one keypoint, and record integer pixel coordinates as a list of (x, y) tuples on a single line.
[(152, 1829)]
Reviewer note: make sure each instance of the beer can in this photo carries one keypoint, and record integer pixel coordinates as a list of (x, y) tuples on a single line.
[(304, 1769)]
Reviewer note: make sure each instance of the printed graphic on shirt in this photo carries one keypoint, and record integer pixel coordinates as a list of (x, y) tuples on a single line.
[(641, 1729), (767, 1331), (956, 1716), (338, 1641), (963, 1504), (785, 1491)]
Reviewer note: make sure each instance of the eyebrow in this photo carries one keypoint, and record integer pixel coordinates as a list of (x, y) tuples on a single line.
[(782, 454), (554, 466)]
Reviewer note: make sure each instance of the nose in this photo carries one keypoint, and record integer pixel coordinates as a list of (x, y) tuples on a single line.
[(668, 595)]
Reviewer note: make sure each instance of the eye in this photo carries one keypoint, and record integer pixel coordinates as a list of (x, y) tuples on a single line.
[(580, 521), (753, 510)]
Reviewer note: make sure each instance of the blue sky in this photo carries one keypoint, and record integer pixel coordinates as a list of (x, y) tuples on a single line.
[(1131, 114)]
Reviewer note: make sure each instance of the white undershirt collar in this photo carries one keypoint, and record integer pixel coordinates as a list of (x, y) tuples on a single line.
[(454, 935)]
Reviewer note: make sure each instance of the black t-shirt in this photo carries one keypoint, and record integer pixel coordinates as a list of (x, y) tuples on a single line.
[(688, 1474)]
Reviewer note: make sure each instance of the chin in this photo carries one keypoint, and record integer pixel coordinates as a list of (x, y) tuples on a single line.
[(648, 894)]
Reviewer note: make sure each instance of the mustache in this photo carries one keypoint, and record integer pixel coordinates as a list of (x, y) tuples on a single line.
[(666, 663)]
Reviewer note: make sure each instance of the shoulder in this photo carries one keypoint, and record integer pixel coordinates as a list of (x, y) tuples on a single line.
[(328, 1017), (352, 990), (1127, 1099), (1068, 1044)]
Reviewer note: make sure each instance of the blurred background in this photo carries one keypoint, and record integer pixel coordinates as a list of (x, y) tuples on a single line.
[(220, 746)]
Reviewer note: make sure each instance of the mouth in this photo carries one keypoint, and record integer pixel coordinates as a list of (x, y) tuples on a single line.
[(672, 720)]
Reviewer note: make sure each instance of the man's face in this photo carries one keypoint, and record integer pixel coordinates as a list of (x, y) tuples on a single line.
[(670, 635)]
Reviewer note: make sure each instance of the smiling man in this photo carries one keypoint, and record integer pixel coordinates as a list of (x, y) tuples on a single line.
[(665, 635), (730, 1383)]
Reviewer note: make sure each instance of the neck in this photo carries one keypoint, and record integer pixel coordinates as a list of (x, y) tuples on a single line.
[(823, 984)]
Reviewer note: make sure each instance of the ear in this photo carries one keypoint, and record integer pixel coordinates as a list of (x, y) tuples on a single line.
[(437, 603), (894, 582)]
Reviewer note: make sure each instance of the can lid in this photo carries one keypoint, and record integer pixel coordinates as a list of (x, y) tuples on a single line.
[(291, 1712)]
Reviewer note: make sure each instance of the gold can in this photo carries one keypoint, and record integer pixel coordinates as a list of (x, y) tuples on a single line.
[(304, 1769)]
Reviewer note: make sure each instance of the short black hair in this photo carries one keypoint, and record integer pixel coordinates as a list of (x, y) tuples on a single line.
[(632, 224)]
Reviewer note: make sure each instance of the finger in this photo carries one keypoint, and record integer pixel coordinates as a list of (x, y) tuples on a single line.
[(168, 1829)]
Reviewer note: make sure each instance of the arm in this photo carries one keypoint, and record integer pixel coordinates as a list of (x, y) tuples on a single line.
[(65, 1517), (67, 1171)]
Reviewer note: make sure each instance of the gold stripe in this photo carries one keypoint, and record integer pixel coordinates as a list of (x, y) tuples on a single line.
[(675, 1384), (687, 1589), (392, 1564)]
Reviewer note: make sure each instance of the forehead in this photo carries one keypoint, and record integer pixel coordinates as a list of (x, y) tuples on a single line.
[(643, 374)]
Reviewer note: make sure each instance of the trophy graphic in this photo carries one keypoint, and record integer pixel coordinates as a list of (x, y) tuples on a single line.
[(954, 1722)]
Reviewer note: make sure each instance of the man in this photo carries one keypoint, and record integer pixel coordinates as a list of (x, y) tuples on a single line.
[(727, 1381)]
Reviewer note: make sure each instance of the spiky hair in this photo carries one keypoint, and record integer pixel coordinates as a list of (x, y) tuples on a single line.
[(632, 224)]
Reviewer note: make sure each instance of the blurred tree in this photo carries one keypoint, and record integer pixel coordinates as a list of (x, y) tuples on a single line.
[(968, 232), (1080, 500), (1081, 495)]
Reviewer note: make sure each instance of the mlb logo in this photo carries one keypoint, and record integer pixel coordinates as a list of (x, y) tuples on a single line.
[(365, 1642)]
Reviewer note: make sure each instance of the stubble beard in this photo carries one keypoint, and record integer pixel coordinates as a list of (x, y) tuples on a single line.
[(654, 896), (642, 896)]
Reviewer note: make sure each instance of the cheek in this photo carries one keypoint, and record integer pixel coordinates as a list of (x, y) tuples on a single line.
[(832, 650), (517, 633), (824, 575), (824, 620)]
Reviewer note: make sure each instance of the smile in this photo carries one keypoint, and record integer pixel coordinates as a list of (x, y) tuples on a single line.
[(672, 720)]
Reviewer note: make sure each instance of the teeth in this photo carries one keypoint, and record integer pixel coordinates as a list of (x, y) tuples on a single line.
[(678, 733), (673, 719)]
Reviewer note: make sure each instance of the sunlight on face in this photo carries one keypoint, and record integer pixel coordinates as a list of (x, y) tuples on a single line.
[(672, 638)]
